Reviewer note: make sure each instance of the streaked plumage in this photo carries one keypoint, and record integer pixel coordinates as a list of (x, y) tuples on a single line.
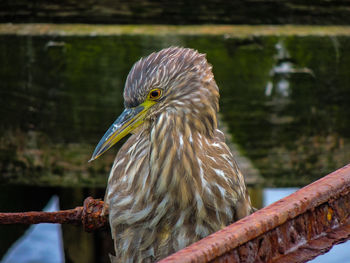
[(175, 180)]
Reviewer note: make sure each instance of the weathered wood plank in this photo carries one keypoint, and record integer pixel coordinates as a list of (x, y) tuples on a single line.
[(62, 87), (177, 12)]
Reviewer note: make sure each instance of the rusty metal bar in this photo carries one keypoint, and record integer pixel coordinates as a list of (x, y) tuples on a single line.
[(60, 217), (295, 229), (88, 215)]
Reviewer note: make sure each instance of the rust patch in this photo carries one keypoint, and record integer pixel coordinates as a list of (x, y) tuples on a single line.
[(92, 218), (330, 214)]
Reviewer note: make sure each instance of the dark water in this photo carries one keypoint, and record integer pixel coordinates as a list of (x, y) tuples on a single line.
[(284, 101), (78, 245)]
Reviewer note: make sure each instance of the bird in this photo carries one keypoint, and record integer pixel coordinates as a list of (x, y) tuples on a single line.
[(174, 181)]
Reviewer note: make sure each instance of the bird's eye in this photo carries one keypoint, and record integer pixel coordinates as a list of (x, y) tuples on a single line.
[(155, 94)]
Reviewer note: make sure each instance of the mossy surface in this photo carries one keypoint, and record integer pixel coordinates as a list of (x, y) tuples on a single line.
[(284, 97), (237, 31)]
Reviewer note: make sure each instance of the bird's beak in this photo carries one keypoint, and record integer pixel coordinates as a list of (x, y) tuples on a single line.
[(129, 120)]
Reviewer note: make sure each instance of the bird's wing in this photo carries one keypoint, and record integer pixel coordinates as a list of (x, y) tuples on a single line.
[(226, 163)]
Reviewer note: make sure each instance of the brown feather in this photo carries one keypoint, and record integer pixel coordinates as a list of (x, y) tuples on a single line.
[(175, 181)]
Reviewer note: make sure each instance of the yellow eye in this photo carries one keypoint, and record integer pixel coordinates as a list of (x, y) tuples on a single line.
[(155, 94)]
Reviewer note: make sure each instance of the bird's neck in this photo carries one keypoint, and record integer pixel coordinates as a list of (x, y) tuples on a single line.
[(175, 143)]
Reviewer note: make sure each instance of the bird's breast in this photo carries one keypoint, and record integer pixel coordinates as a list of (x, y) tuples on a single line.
[(179, 187)]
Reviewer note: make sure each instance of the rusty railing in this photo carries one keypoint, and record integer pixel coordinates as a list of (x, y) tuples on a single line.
[(294, 229), (88, 215)]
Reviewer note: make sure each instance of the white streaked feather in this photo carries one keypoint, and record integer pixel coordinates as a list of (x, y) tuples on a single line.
[(201, 230)]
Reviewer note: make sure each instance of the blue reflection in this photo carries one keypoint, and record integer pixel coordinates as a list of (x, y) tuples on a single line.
[(41, 243), (271, 195)]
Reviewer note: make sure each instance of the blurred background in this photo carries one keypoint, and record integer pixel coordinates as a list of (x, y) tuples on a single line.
[(283, 69)]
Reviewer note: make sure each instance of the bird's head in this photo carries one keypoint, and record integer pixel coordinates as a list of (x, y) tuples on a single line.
[(173, 78)]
